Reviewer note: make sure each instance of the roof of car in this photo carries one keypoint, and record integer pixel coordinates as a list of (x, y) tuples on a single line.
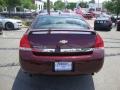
[(60, 14), (102, 18)]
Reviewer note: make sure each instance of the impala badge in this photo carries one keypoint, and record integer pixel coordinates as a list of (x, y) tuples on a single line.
[(63, 41)]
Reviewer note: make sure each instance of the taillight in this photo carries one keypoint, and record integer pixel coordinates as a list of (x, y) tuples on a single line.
[(24, 43), (99, 42)]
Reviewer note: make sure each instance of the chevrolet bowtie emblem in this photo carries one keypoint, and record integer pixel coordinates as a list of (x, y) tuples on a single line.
[(63, 41)]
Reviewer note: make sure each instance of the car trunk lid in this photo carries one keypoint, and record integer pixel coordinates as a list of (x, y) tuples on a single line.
[(62, 40)]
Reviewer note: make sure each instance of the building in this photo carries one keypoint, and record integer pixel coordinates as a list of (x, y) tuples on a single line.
[(39, 4), (95, 6)]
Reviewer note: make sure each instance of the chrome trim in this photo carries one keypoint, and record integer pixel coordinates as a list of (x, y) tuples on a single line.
[(68, 50), (61, 32), (63, 41), (25, 49)]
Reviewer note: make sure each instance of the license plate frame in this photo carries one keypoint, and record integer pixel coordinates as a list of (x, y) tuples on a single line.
[(63, 66)]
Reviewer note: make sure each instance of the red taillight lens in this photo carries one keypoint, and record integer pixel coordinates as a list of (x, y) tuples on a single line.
[(24, 42), (99, 42)]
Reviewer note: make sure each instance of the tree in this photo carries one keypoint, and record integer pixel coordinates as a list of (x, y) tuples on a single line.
[(92, 1), (71, 6), (113, 6), (28, 4), (51, 5), (109, 6), (59, 5), (10, 4), (83, 4), (2, 4)]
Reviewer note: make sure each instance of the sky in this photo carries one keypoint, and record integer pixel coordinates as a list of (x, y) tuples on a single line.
[(100, 1)]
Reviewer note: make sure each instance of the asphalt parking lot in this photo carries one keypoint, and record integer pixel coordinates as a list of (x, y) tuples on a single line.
[(11, 77)]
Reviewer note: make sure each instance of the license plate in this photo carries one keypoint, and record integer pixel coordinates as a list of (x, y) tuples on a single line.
[(63, 66), (101, 22)]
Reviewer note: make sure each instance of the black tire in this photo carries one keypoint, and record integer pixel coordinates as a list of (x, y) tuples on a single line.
[(118, 28), (1, 33), (30, 75), (108, 29), (9, 26), (92, 74), (95, 28)]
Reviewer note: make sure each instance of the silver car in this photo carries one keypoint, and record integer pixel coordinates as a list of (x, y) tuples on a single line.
[(10, 24)]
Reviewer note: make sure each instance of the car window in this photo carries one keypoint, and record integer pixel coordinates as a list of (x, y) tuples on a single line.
[(59, 22), (2, 17)]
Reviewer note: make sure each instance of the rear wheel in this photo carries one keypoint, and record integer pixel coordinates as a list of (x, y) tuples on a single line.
[(1, 32), (108, 29), (92, 73), (30, 75), (118, 28), (9, 26), (95, 28)]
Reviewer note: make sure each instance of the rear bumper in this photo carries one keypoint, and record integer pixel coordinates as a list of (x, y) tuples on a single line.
[(47, 68), (102, 27)]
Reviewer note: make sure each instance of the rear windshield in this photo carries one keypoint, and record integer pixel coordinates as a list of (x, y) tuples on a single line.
[(59, 22)]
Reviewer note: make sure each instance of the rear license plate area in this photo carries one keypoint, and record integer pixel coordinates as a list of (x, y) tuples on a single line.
[(63, 66)]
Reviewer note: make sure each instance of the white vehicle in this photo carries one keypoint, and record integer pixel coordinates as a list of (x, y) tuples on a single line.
[(10, 24)]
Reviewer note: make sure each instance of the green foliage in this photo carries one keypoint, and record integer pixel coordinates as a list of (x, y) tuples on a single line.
[(83, 4), (2, 3), (51, 5), (109, 6), (12, 3), (59, 5), (71, 6), (112, 6), (28, 4)]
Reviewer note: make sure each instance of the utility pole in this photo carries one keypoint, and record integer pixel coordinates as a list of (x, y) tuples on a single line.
[(65, 1), (48, 6), (98, 3)]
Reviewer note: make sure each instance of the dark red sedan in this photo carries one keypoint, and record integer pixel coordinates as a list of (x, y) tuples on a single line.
[(61, 44), (88, 15)]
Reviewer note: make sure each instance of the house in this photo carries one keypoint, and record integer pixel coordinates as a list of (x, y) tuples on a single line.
[(39, 4)]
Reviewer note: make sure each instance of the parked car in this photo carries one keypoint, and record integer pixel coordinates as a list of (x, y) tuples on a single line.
[(117, 19), (10, 24), (103, 23), (61, 44), (1, 28), (88, 15), (118, 25)]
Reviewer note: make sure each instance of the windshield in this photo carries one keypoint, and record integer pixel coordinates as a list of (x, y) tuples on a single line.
[(59, 22)]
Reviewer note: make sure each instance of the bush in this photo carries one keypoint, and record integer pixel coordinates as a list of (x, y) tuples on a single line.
[(27, 23)]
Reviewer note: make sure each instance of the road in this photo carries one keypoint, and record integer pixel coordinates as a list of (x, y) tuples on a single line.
[(11, 77)]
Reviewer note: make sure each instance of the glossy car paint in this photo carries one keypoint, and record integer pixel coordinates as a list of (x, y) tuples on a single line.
[(17, 23), (88, 15), (105, 26), (86, 51)]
